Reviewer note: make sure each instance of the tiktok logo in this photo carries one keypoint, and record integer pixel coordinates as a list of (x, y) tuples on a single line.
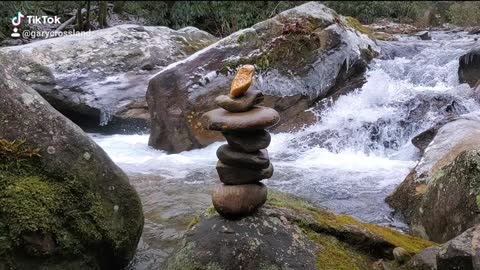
[(17, 21)]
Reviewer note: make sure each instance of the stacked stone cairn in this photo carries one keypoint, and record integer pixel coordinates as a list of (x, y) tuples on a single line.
[(244, 161)]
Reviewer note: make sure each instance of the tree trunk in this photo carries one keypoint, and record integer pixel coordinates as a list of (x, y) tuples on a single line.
[(79, 17), (102, 14), (86, 26)]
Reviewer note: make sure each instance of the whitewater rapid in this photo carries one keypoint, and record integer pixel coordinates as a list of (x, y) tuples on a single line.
[(358, 150)]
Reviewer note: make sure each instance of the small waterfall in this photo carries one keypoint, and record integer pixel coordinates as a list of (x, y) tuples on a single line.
[(359, 149), (106, 116)]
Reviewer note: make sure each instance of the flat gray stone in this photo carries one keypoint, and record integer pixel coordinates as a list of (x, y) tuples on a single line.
[(258, 117)]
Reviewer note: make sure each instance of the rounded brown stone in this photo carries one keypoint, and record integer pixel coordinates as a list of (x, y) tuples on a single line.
[(238, 201), (242, 81), (231, 175), (241, 104), (248, 141), (258, 117), (254, 160)]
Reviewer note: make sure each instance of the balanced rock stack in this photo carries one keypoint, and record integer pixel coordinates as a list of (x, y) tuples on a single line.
[(243, 162)]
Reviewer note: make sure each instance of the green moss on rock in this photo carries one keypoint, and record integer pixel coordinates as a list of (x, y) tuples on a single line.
[(35, 204), (355, 24), (317, 221), (336, 255)]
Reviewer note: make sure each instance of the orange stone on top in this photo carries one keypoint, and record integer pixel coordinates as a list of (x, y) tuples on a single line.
[(242, 81)]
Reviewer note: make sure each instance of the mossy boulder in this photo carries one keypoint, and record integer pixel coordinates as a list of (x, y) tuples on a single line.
[(301, 56), (99, 80), (289, 233), (63, 203), (440, 197)]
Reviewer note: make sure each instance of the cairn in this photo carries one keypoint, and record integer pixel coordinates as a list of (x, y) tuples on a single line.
[(244, 161)]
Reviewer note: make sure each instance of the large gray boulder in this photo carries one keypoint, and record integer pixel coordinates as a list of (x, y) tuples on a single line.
[(63, 203), (288, 233), (301, 56), (101, 78), (440, 197)]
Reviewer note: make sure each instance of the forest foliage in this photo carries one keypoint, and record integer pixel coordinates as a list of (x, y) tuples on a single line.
[(224, 17)]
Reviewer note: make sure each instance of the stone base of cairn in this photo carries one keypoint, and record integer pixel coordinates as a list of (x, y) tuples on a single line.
[(244, 161)]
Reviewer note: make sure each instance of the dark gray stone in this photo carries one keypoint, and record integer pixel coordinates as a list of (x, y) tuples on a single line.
[(248, 141), (462, 252), (253, 160), (230, 175)]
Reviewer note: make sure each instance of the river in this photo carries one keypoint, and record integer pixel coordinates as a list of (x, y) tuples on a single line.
[(349, 161)]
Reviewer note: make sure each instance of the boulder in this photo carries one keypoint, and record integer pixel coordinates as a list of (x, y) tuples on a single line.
[(425, 260), (439, 198), (474, 31), (99, 80), (63, 203), (288, 233), (469, 67), (300, 56), (424, 35), (462, 253), (422, 140)]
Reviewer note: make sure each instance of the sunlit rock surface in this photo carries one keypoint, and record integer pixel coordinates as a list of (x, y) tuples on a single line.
[(101, 78), (301, 55)]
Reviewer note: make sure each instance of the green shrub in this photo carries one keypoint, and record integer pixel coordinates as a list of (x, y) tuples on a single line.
[(465, 13)]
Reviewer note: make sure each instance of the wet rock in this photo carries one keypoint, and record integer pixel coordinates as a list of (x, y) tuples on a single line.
[(258, 117), (289, 233), (241, 104), (289, 62), (439, 197), (254, 160), (401, 255), (469, 67), (422, 140), (425, 260), (476, 91), (95, 79), (248, 141), (232, 175), (63, 203), (462, 252), (424, 35), (474, 31), (242, 81), (238, 201)]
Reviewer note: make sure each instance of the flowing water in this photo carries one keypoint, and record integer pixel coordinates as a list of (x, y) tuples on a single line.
[(349, 161)]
